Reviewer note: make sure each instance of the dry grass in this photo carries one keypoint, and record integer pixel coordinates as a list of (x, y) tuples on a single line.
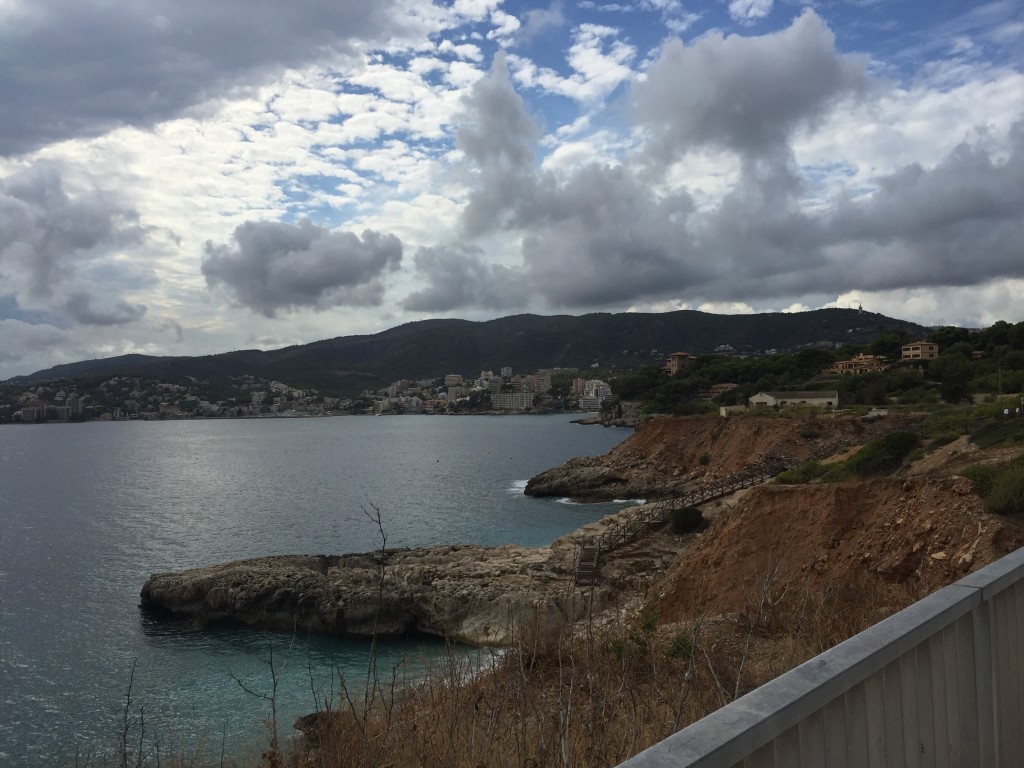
[(580, 696), (588, 697)]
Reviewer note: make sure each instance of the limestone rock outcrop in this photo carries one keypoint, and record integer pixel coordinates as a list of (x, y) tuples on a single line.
[(471, 594)]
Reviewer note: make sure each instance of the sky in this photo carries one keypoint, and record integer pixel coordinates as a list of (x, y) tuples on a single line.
[(181, 177)]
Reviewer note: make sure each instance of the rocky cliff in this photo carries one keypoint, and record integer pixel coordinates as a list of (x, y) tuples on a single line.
[(471, 594), (667, 455)]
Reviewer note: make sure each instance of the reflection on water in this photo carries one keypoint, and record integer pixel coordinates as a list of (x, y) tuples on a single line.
[(88, 512)]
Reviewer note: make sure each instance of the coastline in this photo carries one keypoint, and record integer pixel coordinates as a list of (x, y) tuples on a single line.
[(467, 593)]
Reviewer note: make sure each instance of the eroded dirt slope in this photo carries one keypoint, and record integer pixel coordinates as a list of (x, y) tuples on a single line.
[(667, 454), (921, 531)]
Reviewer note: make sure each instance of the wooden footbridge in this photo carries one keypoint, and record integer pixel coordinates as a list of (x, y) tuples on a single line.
[(588, 553)]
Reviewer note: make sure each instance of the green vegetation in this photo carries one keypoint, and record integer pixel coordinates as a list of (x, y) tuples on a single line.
[(981, 477), (883, 455), (970, 363), (805, 473), (999, 431), (1001, 486), (1006, 496)]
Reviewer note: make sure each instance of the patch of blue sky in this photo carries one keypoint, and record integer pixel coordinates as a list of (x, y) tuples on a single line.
[(819, 171), (11, 310), (907, 34)]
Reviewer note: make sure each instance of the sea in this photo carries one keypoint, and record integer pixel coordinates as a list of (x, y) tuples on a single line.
[(89, 511)]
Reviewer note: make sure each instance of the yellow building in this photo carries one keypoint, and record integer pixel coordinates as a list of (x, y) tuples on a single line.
[(920, 350)]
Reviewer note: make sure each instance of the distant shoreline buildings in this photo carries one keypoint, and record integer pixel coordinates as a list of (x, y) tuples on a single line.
[(143, 398)]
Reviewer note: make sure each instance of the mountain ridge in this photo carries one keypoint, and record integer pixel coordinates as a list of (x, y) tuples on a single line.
[(526, 342)]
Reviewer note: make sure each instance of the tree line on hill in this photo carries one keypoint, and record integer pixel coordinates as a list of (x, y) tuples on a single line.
[(970, 362)]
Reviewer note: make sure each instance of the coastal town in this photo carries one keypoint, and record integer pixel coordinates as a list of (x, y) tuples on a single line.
[(560, 389), (142, 398)]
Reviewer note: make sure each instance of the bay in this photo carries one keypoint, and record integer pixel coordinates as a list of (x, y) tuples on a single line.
[(89, 511)]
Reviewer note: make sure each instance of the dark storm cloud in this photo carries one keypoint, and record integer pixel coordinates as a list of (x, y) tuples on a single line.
[(51, 243), (744, 94), (593, 238), (274, 266), (458, 278), (80, 67)]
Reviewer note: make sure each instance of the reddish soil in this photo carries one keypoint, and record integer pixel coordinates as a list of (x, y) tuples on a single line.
[(922, 529), (674, 446), (924, 533)]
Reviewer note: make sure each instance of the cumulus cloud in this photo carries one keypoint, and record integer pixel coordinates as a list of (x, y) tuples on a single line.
[(539, 20), (750, 10), (598, 235), (86, 309), (600, 63), (602, 235), (275, 266), (55, 249), (498, 138), (744, 94), (80, 67), (457, 277), (499, 132), (958, 223), (23, 341), (601, 238)]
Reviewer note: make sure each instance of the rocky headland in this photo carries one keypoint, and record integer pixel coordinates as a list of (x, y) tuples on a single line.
[(472, 594), (924, 528)]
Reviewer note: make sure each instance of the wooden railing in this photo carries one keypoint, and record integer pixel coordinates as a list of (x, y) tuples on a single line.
[(588, 550)]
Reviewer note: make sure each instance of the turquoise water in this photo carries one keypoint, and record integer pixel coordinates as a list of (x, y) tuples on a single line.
[(88, 511)]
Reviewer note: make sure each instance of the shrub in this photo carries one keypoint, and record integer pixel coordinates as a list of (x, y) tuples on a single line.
[(809, 431), (1006, 495), (682, 645), (705, 459), (836, 473), (686, 519), (805, 473), (981, 477), (883, 455), (998, 432)]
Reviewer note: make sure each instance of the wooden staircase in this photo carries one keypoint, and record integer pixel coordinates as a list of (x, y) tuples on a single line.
[(586, 563), (655, 515)]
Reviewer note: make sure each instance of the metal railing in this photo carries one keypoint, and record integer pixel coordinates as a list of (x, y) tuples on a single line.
[(941, 683)]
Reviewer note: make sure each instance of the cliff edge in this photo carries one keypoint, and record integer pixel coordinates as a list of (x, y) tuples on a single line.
[(472, 594)]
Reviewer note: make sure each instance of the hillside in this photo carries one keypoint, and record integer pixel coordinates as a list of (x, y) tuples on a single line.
[(667, 455), (433, 348)]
